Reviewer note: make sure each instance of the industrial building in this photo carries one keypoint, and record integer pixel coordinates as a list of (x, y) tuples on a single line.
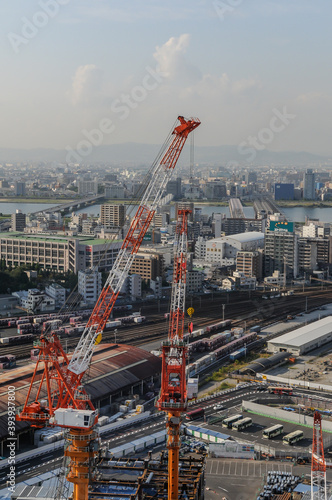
[(304, 339), (226, 247), (116, 371)]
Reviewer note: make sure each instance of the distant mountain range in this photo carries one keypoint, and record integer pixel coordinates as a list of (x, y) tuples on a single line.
[(144, 154)]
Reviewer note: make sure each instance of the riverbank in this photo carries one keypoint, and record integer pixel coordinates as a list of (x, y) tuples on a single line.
[(19, 199)]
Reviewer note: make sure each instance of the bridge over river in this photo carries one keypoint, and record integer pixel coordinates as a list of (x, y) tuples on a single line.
[(74, 205)]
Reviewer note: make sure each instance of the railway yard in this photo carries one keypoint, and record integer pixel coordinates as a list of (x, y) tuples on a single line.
[(274, 457), (242, 310)]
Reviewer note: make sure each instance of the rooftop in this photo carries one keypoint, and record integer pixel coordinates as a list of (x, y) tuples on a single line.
[(242, 237), (306, 334), (87, 240)]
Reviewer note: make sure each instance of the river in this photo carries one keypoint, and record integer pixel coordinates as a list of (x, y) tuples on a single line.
[(296, 214)]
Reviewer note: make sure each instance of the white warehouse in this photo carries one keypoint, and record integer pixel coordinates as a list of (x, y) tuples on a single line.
[(226, 247), (303, 339)]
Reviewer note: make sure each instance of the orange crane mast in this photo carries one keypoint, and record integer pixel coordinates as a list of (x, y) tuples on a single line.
[(318, 463), (173, 395), (66, 403)]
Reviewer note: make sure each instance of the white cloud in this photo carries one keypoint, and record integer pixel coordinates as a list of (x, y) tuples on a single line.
[(172, 62), (86, 84), (310, 97)]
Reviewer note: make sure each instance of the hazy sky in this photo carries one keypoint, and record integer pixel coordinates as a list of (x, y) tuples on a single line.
[(69, 66)]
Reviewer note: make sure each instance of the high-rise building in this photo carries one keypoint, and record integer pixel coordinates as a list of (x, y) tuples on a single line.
[(280, 253), (309, 185), (112, 215), (19, 188), (174, 187), (283, 191), (18, 221)]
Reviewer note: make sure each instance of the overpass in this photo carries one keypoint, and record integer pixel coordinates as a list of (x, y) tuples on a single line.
[(74, 205), (236, 209), (265, 206)]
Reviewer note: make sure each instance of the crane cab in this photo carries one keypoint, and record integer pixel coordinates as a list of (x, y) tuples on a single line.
[(75, 419)]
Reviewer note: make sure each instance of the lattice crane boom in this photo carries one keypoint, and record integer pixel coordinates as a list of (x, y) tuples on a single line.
[(160, 175), (173, 394)]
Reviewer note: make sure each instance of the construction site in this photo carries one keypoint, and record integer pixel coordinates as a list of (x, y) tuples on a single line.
[(164, 458), (57, 396)]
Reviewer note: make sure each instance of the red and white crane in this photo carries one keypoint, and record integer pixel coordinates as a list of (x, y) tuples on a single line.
[(173, 394), (318, 464), (67, 403)]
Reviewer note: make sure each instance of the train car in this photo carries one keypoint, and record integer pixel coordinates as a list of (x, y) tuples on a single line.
[(8, 361), (17, 339), (237, 354), (112, 324), (218, 326), (23, 321), (235, 344)]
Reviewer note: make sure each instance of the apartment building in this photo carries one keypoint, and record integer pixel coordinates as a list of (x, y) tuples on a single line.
[(148, 264), (249, 264), (112, 215), (89, 285)]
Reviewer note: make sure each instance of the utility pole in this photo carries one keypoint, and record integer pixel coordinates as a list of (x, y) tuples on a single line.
[(223, 312), (306, 303)]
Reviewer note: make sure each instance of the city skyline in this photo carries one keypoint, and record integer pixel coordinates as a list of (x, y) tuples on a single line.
[(255, 74)]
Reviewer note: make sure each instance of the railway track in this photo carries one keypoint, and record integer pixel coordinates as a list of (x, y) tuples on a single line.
[(250, 310)]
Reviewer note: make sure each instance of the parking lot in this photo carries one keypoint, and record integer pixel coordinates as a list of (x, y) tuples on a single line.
[(238, 479)]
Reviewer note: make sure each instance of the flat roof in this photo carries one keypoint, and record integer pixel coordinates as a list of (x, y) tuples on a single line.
[(242, 237), (305, 334), (85, 240)]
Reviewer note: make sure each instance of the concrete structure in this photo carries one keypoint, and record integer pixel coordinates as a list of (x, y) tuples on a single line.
[(277, 278), (19, 188), (148, 264), (112, 215), (56, 292), (115, 192), (37, 301), (227, 247), (280, 253), (235, 226), (250, 263), (195, 281), (89, 285), (283, 191), (134, 286), (87, 186), (309, 192), (304, 339), (58, 253), (174, 187), (18, 221), (218, 218), (200, 248)]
